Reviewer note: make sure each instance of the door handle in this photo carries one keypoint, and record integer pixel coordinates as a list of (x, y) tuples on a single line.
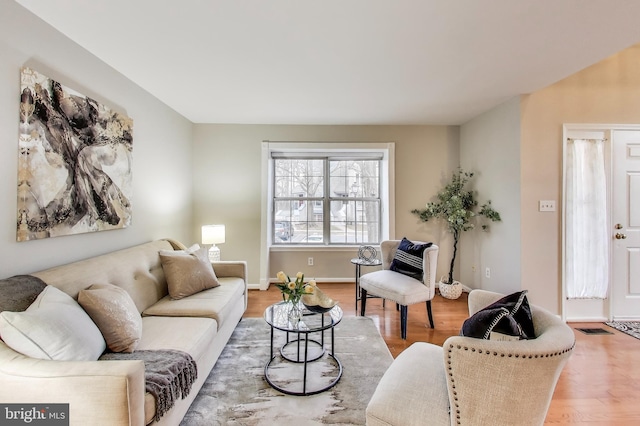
[(620, 236)]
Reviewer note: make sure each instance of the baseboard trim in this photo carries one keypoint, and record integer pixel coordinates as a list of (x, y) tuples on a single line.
[(587, 319)]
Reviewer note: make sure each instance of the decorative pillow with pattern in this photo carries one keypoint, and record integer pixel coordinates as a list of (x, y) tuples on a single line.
[(115, 314), (507, 319), (408, 258)]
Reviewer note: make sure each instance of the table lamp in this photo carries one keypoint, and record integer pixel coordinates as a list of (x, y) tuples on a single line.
[(213, 234)]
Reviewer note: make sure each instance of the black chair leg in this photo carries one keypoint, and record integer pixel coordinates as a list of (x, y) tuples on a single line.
[(403, 322), (430, 314), (363, 301)]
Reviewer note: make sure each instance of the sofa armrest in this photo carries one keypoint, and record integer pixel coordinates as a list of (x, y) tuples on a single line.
[(231, 268), (98, 392)]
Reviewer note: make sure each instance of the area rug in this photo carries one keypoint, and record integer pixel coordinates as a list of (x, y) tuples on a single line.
[(632, 328), (236, 393)]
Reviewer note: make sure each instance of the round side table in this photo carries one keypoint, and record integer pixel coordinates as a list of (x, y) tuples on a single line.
[(287, 368), (359, 264)]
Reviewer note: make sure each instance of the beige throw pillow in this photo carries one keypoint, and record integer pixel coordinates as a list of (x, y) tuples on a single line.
[(187, 271), (115, 314), (53, 327)]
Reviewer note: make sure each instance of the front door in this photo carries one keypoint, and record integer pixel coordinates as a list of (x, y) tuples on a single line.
[(625, 215)]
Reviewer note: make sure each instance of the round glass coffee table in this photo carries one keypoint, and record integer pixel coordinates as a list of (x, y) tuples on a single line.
[(299, 362)]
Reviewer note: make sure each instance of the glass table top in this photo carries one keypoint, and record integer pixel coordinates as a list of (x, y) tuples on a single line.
[(277, 316)]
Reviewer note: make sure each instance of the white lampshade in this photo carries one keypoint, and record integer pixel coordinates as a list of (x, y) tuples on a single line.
[(213, 234)]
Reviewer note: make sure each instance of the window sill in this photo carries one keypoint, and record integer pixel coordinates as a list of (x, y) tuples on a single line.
[(313, 247)]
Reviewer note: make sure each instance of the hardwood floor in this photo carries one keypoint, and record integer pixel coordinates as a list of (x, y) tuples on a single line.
[(600, 385)]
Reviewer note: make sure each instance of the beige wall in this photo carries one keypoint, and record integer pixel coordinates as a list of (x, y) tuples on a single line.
[(228, 176), (608, 92), (490, 147), (161, 140)]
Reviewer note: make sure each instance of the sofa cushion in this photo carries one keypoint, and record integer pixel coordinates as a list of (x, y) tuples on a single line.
[(214, 303), (136, 269), (408, 258), (115, 314), (187, 271), (168, 333), (506, 319), (53, 327)]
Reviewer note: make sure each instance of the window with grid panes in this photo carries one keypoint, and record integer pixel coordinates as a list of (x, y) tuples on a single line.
[(326, 199)]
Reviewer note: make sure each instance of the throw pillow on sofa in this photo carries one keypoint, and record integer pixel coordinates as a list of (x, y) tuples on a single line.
[(53, 327), (188, 271), (115, 314), (408, 258), (506, 319)]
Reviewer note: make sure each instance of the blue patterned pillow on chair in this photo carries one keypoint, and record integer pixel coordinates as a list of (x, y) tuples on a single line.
[(408, 258)]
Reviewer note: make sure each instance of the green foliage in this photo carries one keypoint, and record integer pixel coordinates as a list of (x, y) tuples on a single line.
[(455, 205)]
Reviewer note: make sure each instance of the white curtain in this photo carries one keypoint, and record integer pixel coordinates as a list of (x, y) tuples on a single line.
[(587, 236)]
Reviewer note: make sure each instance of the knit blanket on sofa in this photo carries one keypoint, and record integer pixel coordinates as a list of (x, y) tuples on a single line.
[(168, 374), (19, 291)]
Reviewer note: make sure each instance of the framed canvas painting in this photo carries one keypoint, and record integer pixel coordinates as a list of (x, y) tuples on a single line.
[(74, 162)]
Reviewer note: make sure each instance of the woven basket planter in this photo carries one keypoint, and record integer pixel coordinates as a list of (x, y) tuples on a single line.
[(450, 291)]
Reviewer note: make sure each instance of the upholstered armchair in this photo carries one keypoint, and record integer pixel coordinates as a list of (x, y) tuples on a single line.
[(402, 289), (473, 381)]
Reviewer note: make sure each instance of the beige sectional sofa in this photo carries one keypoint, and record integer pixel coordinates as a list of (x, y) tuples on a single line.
[(113, 392)]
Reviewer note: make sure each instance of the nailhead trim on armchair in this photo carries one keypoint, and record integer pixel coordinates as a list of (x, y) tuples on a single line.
[(493, 353)]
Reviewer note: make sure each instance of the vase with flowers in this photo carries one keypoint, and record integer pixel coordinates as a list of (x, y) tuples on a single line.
[(292, 291)]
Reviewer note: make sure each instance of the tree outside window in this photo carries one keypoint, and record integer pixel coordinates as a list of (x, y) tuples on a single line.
[(324, 200)]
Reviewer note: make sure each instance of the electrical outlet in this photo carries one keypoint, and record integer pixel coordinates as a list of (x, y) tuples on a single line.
[(310, 261), (547, 205), (487, 272)]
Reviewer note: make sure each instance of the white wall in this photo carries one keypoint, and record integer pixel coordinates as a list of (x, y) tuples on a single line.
[(228, 176), (490, 147), (162, 180)]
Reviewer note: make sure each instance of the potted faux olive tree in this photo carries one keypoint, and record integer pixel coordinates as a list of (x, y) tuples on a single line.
[(456, 206)]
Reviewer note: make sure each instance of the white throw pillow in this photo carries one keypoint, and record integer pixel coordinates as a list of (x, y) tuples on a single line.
[(53, 327)]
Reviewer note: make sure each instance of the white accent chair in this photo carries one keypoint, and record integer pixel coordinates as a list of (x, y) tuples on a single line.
[(400, 288), (473, 381)]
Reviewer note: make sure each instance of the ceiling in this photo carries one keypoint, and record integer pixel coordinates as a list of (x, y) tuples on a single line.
[(343, 61)]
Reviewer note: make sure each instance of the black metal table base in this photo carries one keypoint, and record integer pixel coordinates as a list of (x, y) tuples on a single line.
[(302, 355), (305, 391)]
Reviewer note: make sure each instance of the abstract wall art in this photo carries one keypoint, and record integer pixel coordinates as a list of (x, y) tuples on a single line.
[(74, 162)]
